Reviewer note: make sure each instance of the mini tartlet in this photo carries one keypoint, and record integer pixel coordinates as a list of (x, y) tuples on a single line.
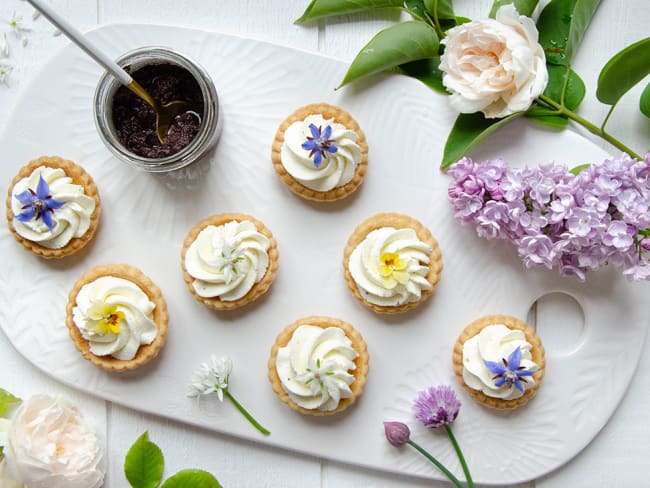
[(69, 208), (315, 385), (229, 260), (96, 318), (320, 153), (489, 368), (392, 263)]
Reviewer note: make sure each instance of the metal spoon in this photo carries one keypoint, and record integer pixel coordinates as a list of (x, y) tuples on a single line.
[(164, 113)]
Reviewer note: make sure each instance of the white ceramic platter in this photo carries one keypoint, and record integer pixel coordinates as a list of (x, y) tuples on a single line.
[(146, 217)]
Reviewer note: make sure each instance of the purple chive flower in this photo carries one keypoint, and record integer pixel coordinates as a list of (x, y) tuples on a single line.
[(38, 204), (397, 433), (436, 406), (509, 371), (558, 220), (319, 143)]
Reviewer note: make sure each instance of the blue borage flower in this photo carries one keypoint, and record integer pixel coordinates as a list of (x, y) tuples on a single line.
[(38, 204), (319, 143), (510, 372)]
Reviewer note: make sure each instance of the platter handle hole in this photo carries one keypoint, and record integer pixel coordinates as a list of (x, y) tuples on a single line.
[(560, 322)]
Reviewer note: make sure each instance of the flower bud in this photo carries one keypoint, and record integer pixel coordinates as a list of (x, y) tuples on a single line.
[(397, 433), (645, 244)]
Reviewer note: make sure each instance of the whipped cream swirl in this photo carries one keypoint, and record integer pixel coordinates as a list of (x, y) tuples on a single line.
[(70, 221), (227, 260), (336, 168), (115, 316), (314, 367), (495, 343), (390, 267)]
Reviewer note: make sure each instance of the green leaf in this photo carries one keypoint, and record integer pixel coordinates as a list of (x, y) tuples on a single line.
[(393, 46), (445, 8), (561, 26), (579, 168), (319, 9), (569, 91), (416, 8), (144, 463), (644, 103), (623, 71), (6, 399), (524, 7), (425, 70), (467, 132), (194, 478)]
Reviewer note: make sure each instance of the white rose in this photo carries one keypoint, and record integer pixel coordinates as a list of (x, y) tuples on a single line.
[(495, 66), (49, 445), (6, 481)]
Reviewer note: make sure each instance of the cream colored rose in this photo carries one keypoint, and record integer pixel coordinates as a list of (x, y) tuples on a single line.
[(49, 445), (495, 66), (6, 481)]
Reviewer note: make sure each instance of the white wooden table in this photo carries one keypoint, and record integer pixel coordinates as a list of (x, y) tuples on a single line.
[(618, 457)]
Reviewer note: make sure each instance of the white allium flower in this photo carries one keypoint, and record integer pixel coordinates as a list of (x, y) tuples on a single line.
[(4, 46), (17, 26), (211, 377), (214, 377), (5, 69)]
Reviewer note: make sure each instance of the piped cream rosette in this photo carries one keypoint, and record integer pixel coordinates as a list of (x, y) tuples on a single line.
[(74, 220), (117, 317), (499, 360), (392, 263), (320, 152), (318, 365), (229, 260)]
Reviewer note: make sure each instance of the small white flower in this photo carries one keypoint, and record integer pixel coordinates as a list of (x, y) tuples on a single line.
[(211, 377), (4, 46), (5, 69), (17, 26), (319, 377), (56, 33)]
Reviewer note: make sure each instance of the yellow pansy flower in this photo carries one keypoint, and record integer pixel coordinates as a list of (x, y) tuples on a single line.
[(391, 270), (106, 316)]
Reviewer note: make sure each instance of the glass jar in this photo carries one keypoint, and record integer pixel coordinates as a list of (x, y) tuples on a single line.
[(209, 129)]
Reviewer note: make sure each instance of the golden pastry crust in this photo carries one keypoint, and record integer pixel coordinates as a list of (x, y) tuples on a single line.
[(328, 112), (361, 362), (397, 221), (160, 317), (259, 288), (79, 177), (537, 353)]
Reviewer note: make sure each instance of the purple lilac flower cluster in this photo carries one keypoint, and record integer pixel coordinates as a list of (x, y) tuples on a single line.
[(559, 220)]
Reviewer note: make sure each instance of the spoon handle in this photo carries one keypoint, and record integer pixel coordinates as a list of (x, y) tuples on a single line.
[(83, 42)]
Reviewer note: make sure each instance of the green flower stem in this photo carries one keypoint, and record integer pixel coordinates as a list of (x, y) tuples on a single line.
[(436, 21), (439, 465), (461, 458), (561, 109), (245, 413)]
